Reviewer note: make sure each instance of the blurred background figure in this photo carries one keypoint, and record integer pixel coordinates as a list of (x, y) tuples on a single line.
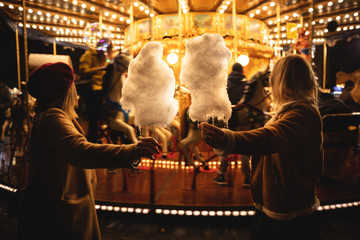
[(235, 88), (92, 66), (6, 102), (349, 85), (236, 83), (302, 44), (329, 104), (352, 98)]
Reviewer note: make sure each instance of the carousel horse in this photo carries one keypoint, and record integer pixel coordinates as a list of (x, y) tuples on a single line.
[(118, 119), (191, 136), (247, 114)]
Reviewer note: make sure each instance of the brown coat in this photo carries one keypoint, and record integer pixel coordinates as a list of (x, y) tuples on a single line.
[(59, 203), (287, 160)]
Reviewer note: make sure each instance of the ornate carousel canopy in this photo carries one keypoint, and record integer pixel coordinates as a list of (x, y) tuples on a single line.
[(65, 20)]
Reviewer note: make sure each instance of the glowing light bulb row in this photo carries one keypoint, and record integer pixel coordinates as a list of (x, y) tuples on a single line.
[(54, 17), (83, 7), (183, 212), (265, 7), (143, 8), (209, 213), (204, 213), (223, 6), (78, 39), (70, 32), (327, 6), (110, 208), (288, 41), (81, 40), (179, 212), (338, 206), (317, 32), (348, 17), (7, 188), (175, 164)]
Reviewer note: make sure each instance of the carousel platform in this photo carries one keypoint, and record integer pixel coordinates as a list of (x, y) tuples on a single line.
[(165, 187)]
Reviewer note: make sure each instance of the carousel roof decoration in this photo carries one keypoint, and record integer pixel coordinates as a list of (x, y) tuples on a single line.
[(65, 20)]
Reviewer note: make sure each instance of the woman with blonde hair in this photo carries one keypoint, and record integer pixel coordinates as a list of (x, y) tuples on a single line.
[(59, 199), (287, 154)]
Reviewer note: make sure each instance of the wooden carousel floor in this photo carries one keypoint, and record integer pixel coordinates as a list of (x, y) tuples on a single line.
[(173, 184)]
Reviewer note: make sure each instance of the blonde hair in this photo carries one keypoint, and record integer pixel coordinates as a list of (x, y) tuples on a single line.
[(70, 102), (292, 79), (67, 103)]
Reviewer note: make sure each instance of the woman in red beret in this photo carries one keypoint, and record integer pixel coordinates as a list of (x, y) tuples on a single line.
[(59, 200), (287, 154)]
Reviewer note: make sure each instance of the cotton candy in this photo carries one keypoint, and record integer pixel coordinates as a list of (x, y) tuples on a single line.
[(150, 87), (204, 72)]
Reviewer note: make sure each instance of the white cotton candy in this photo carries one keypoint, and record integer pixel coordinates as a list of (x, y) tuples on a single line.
[(150, 87), (204, 72)]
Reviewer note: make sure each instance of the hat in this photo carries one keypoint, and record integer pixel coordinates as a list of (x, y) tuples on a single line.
[(50, 81), (237, 67)]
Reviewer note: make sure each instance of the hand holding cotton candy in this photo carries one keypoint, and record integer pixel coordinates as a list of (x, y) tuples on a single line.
[(204, 72), (149, 89)]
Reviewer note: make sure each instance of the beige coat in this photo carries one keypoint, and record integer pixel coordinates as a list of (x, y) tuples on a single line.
[(59, 203)]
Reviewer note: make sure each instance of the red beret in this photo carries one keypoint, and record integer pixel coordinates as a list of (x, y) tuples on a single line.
[(50, 81)]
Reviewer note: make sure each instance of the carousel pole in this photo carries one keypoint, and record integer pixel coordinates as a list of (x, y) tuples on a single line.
[(312, 5), (152, 169), (101, 22), (180, 57), (152, 173), (26, 60), (18, 57), (235, 41), (151, 23), (26, 63), (54, 47), (324, 66), (180, 40), (278, 26), (132, 30), (180, 34), (180, 25)]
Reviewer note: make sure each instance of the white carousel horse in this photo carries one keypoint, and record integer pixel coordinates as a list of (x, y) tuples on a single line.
[(118, 119)]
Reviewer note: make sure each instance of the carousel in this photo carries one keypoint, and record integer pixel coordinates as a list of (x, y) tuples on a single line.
[(255, 35)]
